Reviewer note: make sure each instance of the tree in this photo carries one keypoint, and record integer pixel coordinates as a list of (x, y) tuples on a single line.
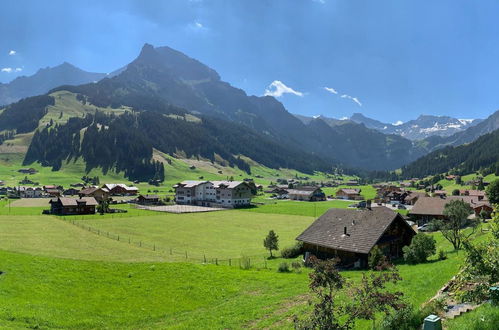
[(455, 192), (422, 246), (457, 212), (103, 207), (271, 242), (459, 180), (364, 301), (493, 192)]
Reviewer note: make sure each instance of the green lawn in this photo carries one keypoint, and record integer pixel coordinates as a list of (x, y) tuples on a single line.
[(311, 209), (222, 235), (91, 294)]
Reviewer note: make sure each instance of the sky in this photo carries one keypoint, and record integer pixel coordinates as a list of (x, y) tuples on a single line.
[(391, 60)]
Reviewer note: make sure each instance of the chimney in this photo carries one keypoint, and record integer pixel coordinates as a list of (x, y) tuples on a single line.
[(368, 204), (353, 223), (345, 231)]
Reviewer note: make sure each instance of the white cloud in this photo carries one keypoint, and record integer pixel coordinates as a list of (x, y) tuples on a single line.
[(12, 53), (344, 118), (354, 99), (10, 70), (277, 89), (198, 25), (331, 90), (398, 123)]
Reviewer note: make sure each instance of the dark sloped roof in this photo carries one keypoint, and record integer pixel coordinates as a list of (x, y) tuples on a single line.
[(364, 228), (436, 205)]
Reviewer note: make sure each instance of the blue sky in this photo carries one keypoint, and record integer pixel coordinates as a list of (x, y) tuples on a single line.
[(391, 60)]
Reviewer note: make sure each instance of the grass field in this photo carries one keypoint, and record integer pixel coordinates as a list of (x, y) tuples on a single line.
[(91, 294), (485, 317)]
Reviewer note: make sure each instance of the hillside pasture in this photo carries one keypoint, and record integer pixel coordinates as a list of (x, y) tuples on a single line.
[(222, 235)]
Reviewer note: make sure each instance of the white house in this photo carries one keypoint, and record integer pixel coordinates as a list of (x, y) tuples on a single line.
[(213, 193), (29, 192)]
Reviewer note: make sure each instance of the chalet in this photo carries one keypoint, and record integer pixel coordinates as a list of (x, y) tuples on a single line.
[(351, 234), (120, 189), (100, 194), (413, 197), (70, 192), (53, 192), (229, 194), (309, 194), (478, 194), (72, 206), (148, 199), (429, 208), (29, 192), (349, 193), (352, 183), (27, 170), (440, 193)]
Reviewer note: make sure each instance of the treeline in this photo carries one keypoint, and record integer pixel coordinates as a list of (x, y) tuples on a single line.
[(6, 136), (480, 155), (125, 143), (23, 116)]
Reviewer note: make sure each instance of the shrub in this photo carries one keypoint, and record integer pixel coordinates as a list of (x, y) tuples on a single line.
[(455, 192), (442, 255), (283, 267), (375, 257), (296, 266), (292, 251), (403, 319), (422, 246)]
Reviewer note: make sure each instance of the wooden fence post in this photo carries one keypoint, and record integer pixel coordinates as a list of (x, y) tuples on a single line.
[(229, 262)]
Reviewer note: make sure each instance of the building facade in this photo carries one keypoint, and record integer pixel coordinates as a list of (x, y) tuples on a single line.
[(231, 194)]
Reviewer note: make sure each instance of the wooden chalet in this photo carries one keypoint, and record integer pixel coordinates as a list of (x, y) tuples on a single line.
[(349, 193), (309, 194), (73, 206), (148, 199), (100, 194), (351, 234)]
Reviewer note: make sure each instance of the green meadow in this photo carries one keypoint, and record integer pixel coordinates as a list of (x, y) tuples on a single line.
[(59, 274)]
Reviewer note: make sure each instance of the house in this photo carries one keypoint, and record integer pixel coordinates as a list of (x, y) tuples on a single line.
[(352, 183), (100, 194), (351, 234), (229, 194), (148, 199), (53, 192), (29, 192), (429, 208), (440, 193), (413, 197), (27, 170), (70, 192), (309, 194), (72, 206), (120, 189), (479, 194), (348, 193)]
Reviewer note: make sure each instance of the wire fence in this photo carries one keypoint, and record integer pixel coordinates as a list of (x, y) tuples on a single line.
[(243, 262)]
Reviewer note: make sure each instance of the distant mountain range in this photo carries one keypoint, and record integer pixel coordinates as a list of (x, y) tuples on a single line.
[(44, 80), (162, 86), (422, 127)]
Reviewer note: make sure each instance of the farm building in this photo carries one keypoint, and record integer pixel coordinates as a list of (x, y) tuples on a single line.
[(429, 208), (349, 193), (100, 194), (309, 194), (213, 193), (119, 189), (351, 234), (413, 197), (148, 199), (72, 206), (27, 170), (70, 192)]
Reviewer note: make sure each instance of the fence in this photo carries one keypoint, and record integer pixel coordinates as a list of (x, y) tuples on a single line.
[(243, 262)]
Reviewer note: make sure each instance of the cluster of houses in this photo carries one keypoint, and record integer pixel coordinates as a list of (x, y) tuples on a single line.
[(299, 193)]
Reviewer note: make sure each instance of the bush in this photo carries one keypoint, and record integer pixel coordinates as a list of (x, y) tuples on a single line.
[(375, 257), (283, 267), (403, 319), (292, 251), (296, 266), (422, 246), (455, 192), (442, 255)]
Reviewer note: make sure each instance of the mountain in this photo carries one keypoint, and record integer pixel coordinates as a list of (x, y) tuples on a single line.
[(423, 127), (162, 76), (483, 153), (44, 80), (150, 105)]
